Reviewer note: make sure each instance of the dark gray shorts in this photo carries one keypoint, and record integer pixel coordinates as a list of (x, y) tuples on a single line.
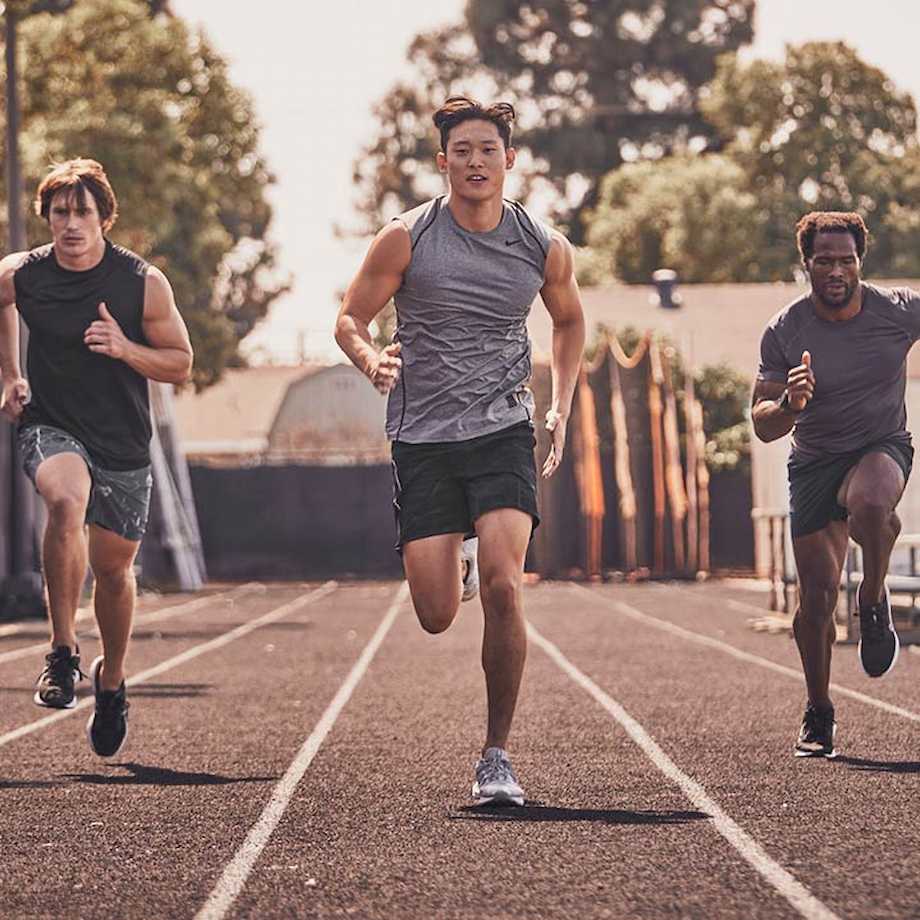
[(814, 483), (119, 499)]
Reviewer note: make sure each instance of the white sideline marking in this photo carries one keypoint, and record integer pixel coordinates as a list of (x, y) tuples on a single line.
[(667, 626), (771, 871), (176, 660), (141, 618), (237, 871)]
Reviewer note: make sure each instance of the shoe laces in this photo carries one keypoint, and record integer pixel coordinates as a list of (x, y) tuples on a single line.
[(495, 769), (111, 702), (60, 666), (818, 721), (873, 623)]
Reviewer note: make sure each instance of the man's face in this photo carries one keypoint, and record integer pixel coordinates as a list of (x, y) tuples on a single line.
[(475, 160), (834, 269), (75, 229)]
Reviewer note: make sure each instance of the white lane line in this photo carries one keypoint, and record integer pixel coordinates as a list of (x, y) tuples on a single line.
[(176, 660), (708, 641), (237, 871), (748, 848), (142, 618)]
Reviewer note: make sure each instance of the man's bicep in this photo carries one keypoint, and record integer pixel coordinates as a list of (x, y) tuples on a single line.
[(766, 389), (8, 266), (163, 324), (380, 275), (560, 290)]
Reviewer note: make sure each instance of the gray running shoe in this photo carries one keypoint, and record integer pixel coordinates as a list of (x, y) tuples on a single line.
[(495, 780), (878, 642), (55, 685), (816, 736), (468, 552)]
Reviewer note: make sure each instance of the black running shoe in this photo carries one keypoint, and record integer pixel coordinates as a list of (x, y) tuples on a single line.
[(55, 685), (108, 725), (816, 736), (878, 642)]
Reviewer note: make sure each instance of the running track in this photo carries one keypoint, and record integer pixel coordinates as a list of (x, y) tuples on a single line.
[(307, 751)]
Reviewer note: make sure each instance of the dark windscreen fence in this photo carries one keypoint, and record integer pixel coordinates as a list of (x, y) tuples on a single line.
[(296, 522), (632, 498)]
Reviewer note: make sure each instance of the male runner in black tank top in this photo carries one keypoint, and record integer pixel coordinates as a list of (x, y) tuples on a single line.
[(102, 323)]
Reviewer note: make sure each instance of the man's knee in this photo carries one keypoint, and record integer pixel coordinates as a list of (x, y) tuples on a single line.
[(66, 511), (869, 515), (435, 614), (818, 598), (113, 574), (499, 592)]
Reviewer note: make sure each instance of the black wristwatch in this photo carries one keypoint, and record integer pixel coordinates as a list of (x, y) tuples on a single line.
[(785, 405)]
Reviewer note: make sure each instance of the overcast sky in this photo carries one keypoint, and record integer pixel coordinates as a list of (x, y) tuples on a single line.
[(315, 70)]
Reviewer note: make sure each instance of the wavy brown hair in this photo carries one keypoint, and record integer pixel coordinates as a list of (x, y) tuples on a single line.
[(457, 109), (79, 176), (830, 222)]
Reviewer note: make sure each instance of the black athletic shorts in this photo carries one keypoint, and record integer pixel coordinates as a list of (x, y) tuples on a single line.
[(815, 481), (444, 487)]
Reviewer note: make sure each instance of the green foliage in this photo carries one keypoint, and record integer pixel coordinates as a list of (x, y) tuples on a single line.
[(822, 130), (594, 84), (691, 214), (154, 104)]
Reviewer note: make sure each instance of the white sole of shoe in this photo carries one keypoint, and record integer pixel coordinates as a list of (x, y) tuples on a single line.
[(40, 702), (517, 800)]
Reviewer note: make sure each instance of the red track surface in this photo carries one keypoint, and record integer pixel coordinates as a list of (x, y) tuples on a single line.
[(301, 754)]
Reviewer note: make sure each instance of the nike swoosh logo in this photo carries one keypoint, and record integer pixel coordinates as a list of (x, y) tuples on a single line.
[(511, 242)]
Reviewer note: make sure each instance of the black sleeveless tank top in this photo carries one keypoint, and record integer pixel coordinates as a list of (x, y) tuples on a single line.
[(99, 400)]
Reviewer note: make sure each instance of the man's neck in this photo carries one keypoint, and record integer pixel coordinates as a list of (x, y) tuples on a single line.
[(83, 262), (476, 216)]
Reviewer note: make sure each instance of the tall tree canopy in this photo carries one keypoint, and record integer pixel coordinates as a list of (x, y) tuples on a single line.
[(594, 84), (154, 104), (821, 130)]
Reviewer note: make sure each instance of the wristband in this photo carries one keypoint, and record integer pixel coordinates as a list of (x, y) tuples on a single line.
[(785, 405)]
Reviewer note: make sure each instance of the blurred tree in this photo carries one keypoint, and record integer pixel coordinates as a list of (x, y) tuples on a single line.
[(594, 83), (114, 81), (683, 213), (822, 130)]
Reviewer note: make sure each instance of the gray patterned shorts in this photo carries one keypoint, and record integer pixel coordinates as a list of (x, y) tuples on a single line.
[(119, 499)]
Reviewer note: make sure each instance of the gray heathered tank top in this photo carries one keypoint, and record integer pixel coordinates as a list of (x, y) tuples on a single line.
[(461, 319)]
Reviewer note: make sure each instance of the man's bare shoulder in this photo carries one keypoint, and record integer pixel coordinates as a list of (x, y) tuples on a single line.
[(391, 247), (560, 259), (10, 264)]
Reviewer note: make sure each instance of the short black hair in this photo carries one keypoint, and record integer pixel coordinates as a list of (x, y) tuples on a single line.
[(457, 109), (830, 222)]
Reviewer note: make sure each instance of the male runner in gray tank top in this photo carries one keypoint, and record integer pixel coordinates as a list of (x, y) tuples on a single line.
[(833, 370), (463, 270), (102, 322)]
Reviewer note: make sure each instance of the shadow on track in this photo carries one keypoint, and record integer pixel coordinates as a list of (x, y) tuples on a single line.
[(28, 783), (879, 766), (140, 775), (163, 691), (537, 811)]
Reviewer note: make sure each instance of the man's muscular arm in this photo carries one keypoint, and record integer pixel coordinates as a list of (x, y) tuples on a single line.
[(15, 393), (168, 356), (378, 279), (563, 302), (771, 419)]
